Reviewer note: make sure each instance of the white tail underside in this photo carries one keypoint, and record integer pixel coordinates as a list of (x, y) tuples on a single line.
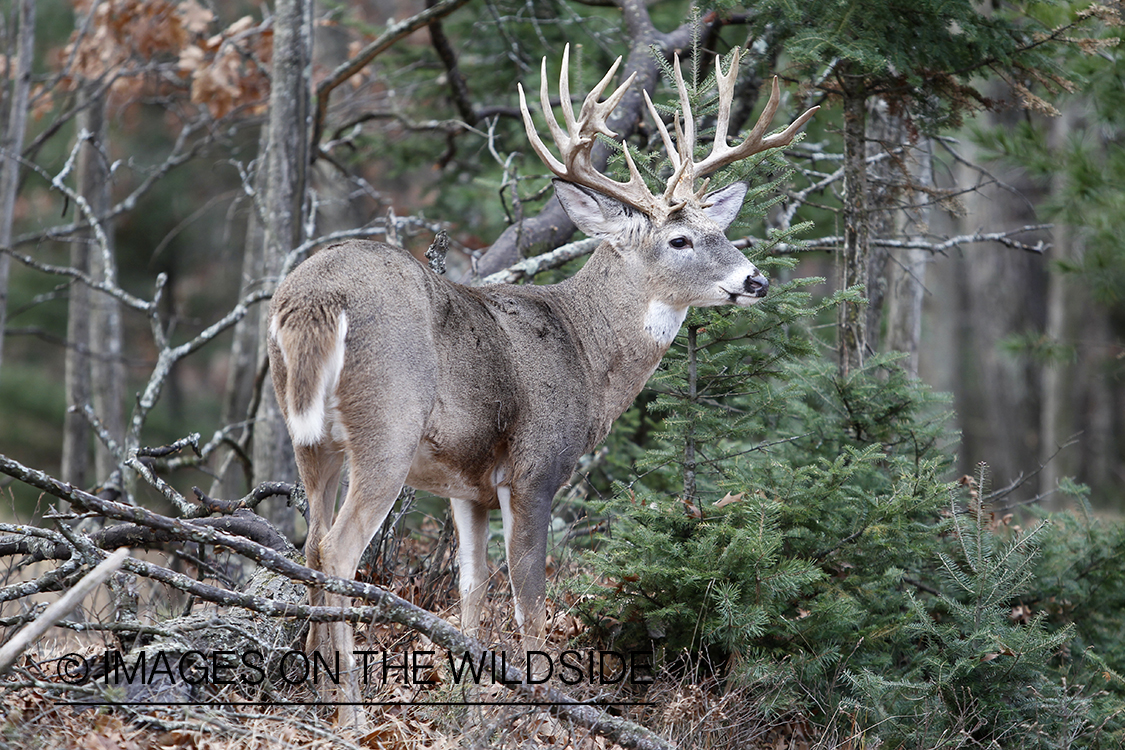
[(308, 427)]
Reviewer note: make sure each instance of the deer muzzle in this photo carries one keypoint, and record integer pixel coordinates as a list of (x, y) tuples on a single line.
[(747, 290), (756, 285)]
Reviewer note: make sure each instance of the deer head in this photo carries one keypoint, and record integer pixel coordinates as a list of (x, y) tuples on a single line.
[(678, 233)]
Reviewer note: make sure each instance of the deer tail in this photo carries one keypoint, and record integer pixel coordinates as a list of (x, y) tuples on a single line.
[(312, 345)]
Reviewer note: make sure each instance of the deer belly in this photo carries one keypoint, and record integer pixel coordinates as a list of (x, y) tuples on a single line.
[(430, 473)]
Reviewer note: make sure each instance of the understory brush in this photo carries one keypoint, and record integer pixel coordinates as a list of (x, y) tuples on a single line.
[(799, 542)]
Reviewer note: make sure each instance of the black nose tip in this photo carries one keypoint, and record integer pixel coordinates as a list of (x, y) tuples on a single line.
[(757, 285)]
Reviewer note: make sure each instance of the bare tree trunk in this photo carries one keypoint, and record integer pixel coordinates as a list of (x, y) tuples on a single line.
[(13, 145), (851, 322), (76, 430), (906, 291), (107, 369), (998, 294), (1055, 376), (94, 369), (884, 135), (1075, 391), (245, 351), (899, 211), (286, 160)]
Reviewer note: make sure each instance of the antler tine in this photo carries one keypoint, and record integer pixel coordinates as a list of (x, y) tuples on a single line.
[(722, 154), (537, 144), (725, 83), (682, 156), (687, 137), (593, 113), (560, 138), (669, 146), (564, 96), (575, 145)]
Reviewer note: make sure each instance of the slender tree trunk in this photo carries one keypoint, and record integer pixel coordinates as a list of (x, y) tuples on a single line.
[(999, 293), (1076, 392), (13, 145), (689, 433), (906, 292), (93, 332), (107, 369), (853, 266), (287, 159), (884, 136), (898, 205), (245, 352), (76, 430)]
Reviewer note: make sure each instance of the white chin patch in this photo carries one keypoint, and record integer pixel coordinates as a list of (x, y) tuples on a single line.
[(662, 321)]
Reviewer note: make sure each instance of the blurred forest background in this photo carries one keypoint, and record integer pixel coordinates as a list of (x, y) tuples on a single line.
[(993, 214), (787, 516)]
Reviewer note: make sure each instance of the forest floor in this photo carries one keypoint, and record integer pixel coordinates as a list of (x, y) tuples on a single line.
[(423, 706)]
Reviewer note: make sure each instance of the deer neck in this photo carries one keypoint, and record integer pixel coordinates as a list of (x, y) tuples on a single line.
[(624, 325)]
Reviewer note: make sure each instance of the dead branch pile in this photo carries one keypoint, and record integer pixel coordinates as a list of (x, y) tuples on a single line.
[(265, 615)]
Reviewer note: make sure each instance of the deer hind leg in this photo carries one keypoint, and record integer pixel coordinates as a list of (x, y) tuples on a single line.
[(526, 518), (319, 467), (377, 470), (471, 520)]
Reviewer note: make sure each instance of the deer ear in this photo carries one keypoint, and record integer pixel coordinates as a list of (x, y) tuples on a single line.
[(596, 214), (723, 205)]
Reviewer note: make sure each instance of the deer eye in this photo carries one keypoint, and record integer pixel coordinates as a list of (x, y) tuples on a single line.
[(679, 242)]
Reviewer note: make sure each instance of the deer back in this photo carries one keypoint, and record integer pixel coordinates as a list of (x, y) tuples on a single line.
[(500, 373)]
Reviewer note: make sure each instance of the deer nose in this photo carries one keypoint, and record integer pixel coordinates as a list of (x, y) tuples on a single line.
[(756, 285)]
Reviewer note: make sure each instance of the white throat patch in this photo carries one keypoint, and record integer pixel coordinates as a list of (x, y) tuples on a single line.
[(662, 321)]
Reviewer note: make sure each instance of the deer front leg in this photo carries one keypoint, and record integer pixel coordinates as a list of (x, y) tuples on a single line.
[(471, 520), (526, 520)]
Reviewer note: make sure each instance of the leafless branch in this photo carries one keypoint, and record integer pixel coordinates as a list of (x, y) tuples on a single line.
[(346, 70), (60, 609), (833, 244), (113, 290), (1022, 479), (168, 356)]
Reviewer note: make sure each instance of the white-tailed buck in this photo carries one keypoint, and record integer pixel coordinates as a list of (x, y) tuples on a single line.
[(489, 395)]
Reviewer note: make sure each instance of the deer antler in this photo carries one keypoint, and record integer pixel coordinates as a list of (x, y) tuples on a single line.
[(575, 144), (681, 186)]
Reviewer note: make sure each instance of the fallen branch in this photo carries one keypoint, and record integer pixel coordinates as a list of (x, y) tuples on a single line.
[(529, 267), (241, 523), (60, 609)]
